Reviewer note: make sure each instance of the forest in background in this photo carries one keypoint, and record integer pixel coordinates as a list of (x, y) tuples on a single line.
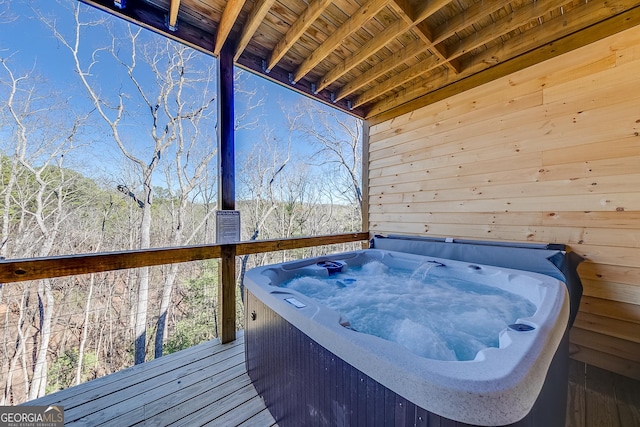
[(124, 157)]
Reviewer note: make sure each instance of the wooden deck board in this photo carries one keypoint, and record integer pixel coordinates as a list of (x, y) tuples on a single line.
[(628, 397), (174, 383), (179, 392), (576, 399), (208, 385), (211, 406), (262, 418), (601, 398), (120, 380), (252, 410), (205, 384)]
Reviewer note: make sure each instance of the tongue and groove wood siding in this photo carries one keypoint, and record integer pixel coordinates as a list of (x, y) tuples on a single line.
[(547, 154)]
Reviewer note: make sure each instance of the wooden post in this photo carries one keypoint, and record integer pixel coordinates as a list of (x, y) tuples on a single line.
[(226, 191), (364, 209)]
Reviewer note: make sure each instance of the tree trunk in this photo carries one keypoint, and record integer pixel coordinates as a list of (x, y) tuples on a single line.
[(143, 278), (46, 301), (164, 308), (85, 330)]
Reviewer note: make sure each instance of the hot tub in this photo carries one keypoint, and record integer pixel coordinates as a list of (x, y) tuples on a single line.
[(313, 368)]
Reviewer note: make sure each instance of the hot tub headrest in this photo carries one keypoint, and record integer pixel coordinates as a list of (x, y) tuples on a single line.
[(549, 259)]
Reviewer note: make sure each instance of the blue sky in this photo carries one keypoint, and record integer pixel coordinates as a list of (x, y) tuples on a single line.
[(30, 46)]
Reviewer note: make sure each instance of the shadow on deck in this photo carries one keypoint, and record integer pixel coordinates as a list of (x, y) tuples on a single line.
[(208, 385)]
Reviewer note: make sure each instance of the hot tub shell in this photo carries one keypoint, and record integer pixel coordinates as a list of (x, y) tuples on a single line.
[(311, 370)]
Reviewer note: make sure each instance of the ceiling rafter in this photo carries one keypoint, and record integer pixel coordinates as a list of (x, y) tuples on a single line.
[(444, 31), (371, 47), (229, 17), (429, 8), (500, 27), (424, 32), (172, 19), (467, 18), (507, 24), (370, 56), (397, 80), (362, 15), (260, 9), (400, 57), (584, 17), (304, 21), (407, 21), (404, 9)]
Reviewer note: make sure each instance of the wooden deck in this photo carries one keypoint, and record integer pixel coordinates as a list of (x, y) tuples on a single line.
[(208, 385), (203, 385), (599, 398)]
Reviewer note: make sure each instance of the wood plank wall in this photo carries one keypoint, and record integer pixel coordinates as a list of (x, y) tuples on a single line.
[(547, 154)]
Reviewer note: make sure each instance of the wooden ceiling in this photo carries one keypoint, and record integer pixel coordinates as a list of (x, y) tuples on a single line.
[(377, 58)]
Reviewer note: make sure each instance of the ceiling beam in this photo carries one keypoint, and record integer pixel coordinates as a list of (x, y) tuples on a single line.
[(429, 8), (467, 18), (399, 57), (398, 80), (404, 9), (407, 21), (259, 11), (458, 23), (229, 17), (417, 16), (371, 47), (173, 13), (296, 30), (350, 54), (154, 19), (281, 76), (583, 16), (355, 21), (534, 46), (516, 19), (424, 32), (506, 24)]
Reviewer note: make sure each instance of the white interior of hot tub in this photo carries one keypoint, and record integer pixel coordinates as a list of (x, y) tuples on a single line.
[(498, 387)]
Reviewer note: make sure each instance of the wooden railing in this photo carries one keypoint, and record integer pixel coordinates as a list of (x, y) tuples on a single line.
[(19, 270)]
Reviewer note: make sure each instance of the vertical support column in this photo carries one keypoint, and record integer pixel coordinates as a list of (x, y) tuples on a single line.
[(226, 191), (365, 179)]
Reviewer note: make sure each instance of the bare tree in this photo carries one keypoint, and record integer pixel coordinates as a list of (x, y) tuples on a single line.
[(6, 14), (15, 116), (97, 247), (180, 96), (337, 139), (35, 208), (258, 176), (189, 167)]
